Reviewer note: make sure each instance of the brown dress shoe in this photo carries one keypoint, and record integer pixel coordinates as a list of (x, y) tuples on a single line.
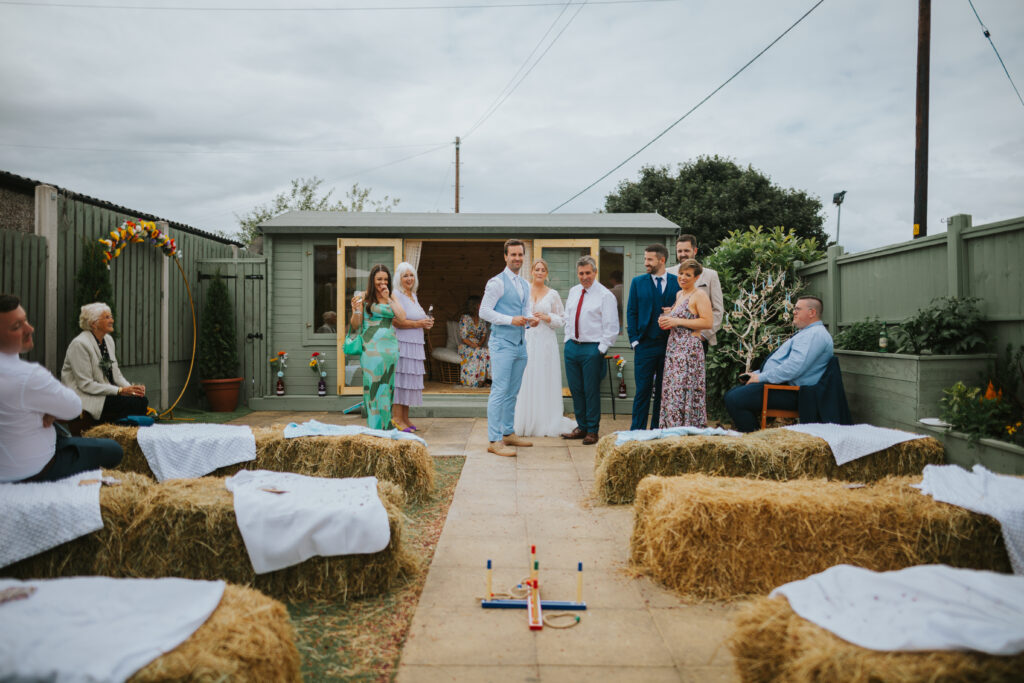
[(513, 440), (575, 434), (590, 439), (498, 448)]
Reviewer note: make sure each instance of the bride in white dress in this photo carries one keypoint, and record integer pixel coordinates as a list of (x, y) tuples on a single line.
[(539, 404)]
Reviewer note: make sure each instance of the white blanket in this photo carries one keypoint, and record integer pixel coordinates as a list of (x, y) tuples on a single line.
[(314, 428), (185, 451), (651, 434), (88, 629), (981, 491), (929, 607), (38, 516), (288, 518), (849, 442)]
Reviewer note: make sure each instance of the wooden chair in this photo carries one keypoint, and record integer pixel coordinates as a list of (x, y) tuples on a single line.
[(767, 412)]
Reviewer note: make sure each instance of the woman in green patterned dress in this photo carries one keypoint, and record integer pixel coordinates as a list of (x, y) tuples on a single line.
[(376, 342)]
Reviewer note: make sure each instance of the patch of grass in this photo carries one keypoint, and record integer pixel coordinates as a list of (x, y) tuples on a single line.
[(195, 415), (362, 640)]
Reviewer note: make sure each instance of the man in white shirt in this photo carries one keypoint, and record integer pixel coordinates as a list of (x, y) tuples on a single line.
[(686, 248), (31, 449), (506, 306), (591, 327)]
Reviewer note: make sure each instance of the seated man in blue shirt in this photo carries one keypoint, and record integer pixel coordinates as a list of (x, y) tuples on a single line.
[(800, 361)]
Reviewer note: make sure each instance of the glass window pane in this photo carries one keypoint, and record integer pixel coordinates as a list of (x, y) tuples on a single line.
[(325, 290), (610, 269), (358, 262)]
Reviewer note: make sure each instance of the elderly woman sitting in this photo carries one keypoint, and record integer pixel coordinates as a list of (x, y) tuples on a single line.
[(90, 369)]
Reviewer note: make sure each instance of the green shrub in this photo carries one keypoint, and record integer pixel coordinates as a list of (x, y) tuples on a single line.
[(948, 326), (862, 336), (218, 355), (978, 413), (92, 283)]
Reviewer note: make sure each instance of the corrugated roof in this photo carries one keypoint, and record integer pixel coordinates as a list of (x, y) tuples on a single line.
[(20, 183), (349, 221)]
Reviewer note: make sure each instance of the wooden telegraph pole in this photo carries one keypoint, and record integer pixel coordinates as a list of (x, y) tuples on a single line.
[(457, 142), (924, 30)]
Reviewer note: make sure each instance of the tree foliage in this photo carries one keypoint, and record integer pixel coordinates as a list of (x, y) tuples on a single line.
[(305, 195), (713, 196), (218, 355), (92, 282), (741, 260)]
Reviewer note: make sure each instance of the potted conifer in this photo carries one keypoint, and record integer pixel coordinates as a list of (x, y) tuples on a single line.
[(218, 356)]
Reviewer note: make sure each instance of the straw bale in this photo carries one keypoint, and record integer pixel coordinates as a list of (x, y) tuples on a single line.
[(249, 637), (406, 463), (723, 538), (187, 528), (770, 642), (779, 454)]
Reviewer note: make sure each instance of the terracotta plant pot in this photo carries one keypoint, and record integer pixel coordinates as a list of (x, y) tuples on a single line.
[(222, 394)]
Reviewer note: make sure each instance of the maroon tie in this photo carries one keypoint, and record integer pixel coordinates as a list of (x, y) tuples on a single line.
[(579, 307)]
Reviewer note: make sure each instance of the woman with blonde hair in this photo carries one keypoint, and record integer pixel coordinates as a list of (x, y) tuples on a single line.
[(539, 403), (411, 347), (91, 370)]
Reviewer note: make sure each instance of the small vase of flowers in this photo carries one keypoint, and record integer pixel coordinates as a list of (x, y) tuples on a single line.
[(620, 363), (281, 362), (317, 361)]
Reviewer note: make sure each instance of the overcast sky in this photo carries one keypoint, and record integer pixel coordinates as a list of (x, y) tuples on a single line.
[(198, 115)]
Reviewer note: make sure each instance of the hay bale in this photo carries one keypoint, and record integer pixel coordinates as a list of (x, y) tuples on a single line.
[(722, 538), (247, 638), (771, 642), (779, 454), (187, 528), (406, 463)]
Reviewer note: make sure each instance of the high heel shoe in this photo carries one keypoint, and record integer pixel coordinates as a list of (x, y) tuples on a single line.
[(397, 426)]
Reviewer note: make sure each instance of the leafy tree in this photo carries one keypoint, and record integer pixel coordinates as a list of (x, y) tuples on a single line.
[(218, 356), (92, 281), (305, 195), (742, 260), (712, 196)]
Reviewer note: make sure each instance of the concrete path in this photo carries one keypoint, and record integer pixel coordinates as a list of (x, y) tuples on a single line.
[(633, 629)]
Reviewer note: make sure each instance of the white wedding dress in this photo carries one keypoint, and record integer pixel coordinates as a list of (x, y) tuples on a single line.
[(539, 404)]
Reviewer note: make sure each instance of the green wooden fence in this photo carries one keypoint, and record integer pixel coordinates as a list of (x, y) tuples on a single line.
[(894, 282), (23, 273)]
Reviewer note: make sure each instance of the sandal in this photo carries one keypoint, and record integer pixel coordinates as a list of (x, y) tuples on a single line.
[(407, 430)]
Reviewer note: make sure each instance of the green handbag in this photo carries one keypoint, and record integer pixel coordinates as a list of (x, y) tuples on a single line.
[(353, 345)]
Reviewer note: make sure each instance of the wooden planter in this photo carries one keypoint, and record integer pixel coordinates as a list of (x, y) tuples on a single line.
[(895, 389), (995, 455)]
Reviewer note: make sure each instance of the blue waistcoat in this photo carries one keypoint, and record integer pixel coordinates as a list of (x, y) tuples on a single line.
[(511, 304)]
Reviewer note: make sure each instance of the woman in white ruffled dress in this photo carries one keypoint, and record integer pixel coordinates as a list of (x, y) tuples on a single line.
[(539, 404)]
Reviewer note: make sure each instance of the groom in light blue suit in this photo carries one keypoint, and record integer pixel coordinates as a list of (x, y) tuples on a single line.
[(506, 305)]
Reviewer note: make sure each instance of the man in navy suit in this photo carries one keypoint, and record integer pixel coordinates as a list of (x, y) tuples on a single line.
[(648, 294)]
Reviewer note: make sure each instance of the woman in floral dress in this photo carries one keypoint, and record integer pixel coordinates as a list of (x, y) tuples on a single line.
[(476, 358), (370, 329), (683, 398)]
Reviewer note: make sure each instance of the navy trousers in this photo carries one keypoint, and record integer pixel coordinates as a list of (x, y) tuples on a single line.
[(74, 454), (583, 365), (744, 404), (648, 365)]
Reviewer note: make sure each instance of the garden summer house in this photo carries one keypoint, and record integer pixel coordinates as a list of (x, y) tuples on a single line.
[(317, 259)]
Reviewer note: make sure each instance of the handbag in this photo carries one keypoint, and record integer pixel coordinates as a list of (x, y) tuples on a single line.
[(353, 345)]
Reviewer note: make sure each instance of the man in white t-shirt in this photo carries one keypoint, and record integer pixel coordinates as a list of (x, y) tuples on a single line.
[(31, 447)]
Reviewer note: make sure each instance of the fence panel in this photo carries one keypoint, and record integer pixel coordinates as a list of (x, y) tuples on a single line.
[(23, 273)]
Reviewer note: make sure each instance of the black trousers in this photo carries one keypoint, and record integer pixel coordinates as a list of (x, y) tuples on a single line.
[(116, 407), (74, 454)]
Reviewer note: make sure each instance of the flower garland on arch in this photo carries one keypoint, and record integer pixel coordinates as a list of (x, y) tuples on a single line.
[(138, 232)]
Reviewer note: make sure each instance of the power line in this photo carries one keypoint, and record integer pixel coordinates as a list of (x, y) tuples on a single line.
[(509, 87), (363, 8), (692, 109), (396, 161), (988, 35), (444, 184), (296, 150)]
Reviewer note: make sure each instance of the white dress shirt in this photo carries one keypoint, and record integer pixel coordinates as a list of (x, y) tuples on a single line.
[(29, 392), (599, 317), (494, 290)]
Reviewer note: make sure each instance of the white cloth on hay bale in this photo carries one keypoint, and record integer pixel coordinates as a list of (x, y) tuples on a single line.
[(850, 442), (651, 434), (315, 428), (996, 495), (94, 628), (288, 518), (928, 607), (186, 451), (38, 516)]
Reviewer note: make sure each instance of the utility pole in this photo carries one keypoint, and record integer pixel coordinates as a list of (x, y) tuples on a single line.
[(457, 142), (837, 199), (924, 31)]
